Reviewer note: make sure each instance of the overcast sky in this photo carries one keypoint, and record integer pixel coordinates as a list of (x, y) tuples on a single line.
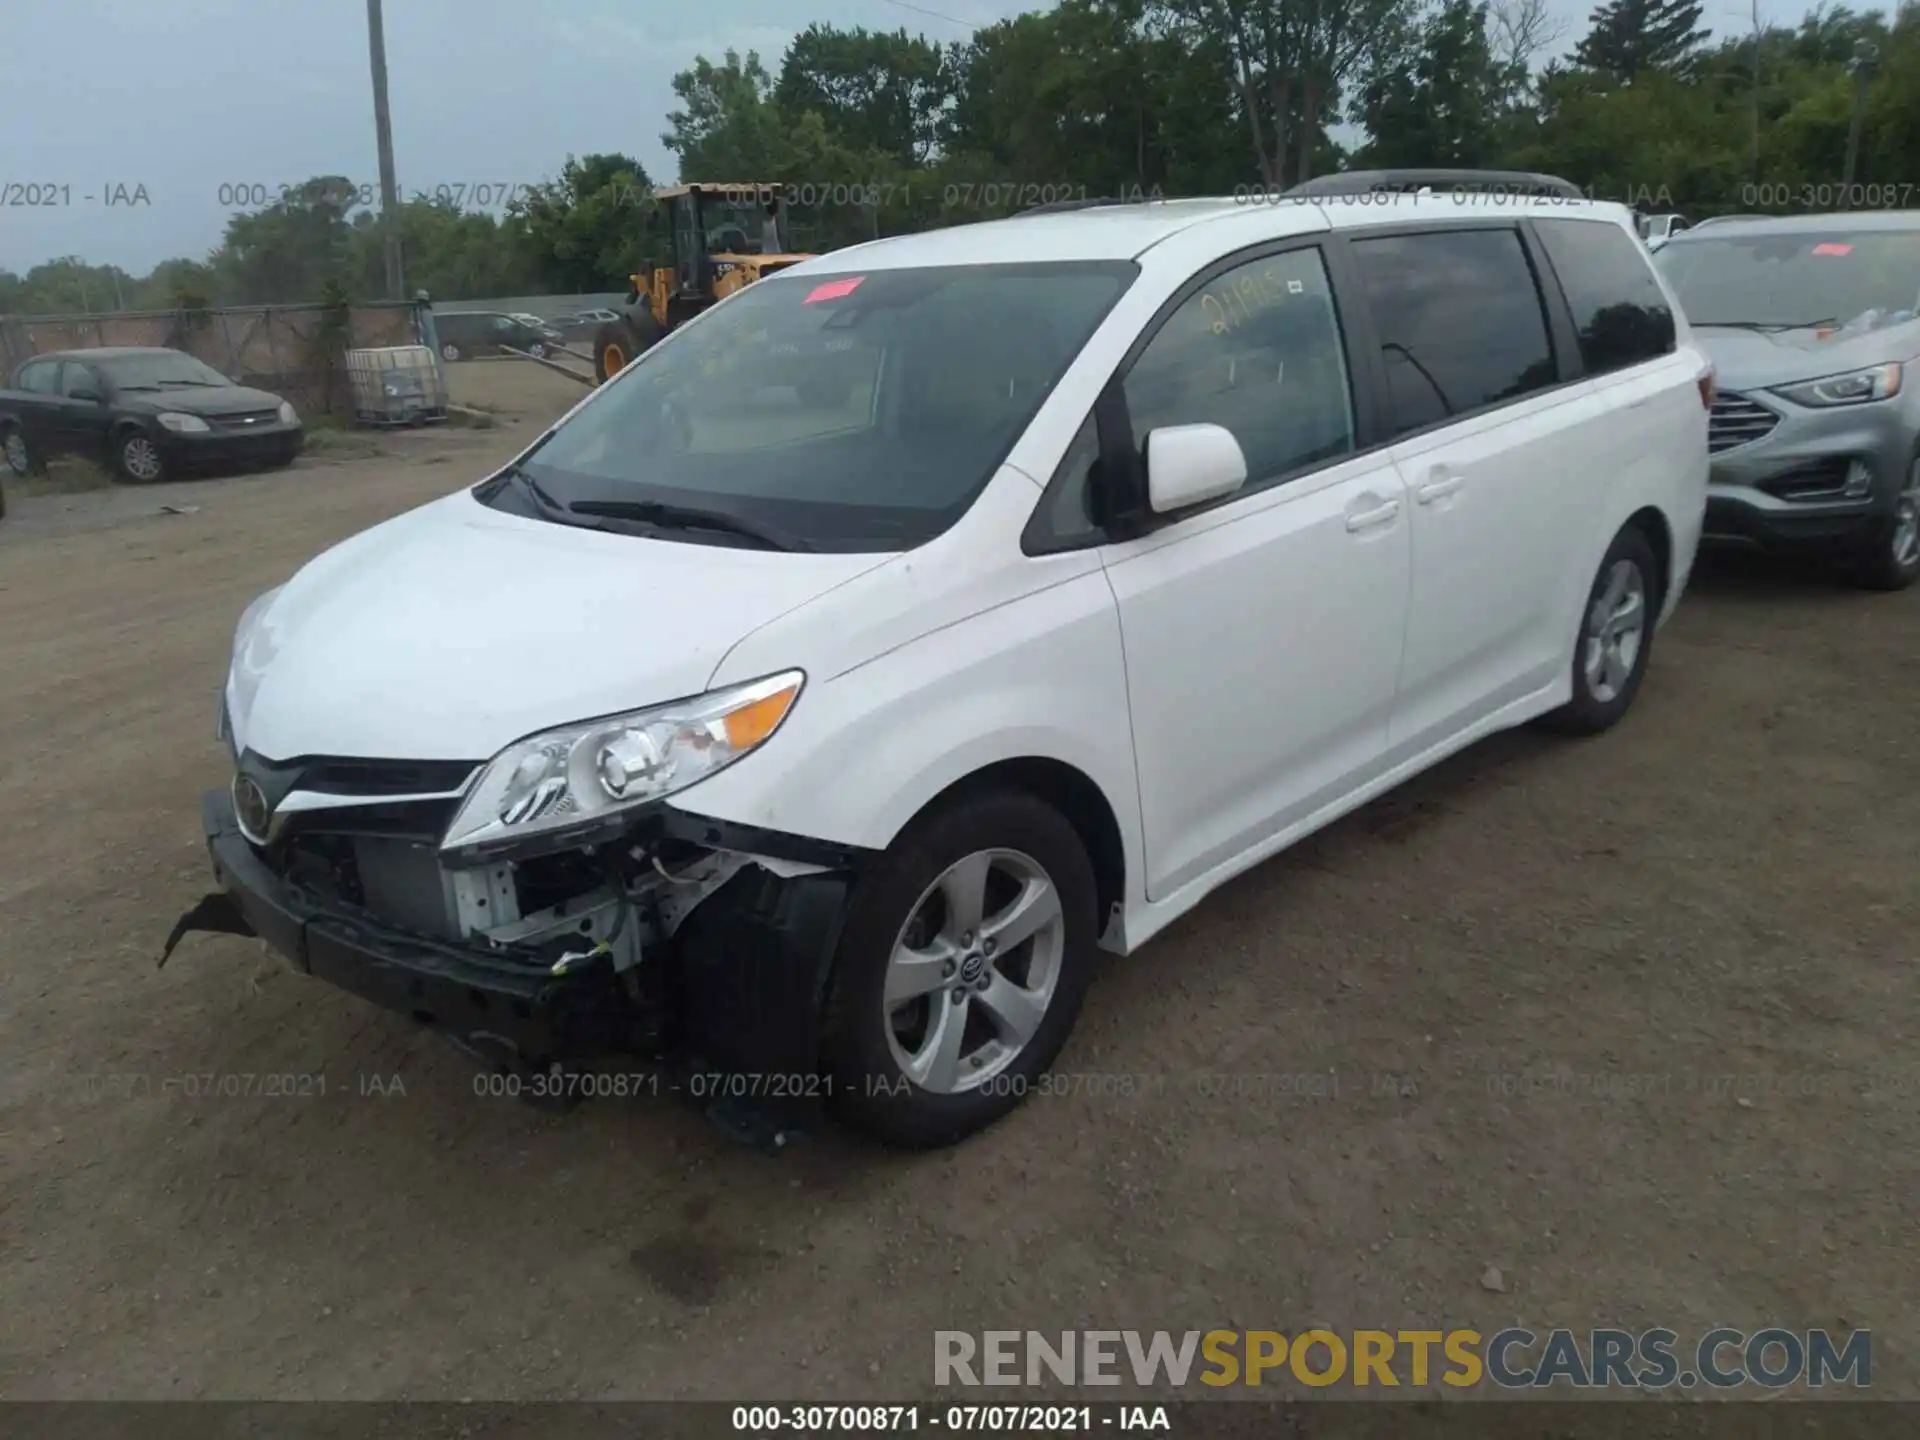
[(201, 103)]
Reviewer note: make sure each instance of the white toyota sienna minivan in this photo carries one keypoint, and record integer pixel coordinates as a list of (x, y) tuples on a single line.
[(816, 700)]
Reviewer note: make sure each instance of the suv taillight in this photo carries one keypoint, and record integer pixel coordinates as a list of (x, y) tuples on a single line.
[(1705, 383)]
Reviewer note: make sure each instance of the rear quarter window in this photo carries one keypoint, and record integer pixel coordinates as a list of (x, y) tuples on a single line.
[(1619, 310)]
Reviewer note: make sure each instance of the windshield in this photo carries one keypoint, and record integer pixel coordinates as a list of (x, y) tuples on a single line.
[(853, 412), (736, 227), (158, 370), (1815, 277)]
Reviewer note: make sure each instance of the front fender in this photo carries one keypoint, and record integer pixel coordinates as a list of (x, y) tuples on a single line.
[(867, 750)]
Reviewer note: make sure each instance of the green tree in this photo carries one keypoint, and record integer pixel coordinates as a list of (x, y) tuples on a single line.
[(286, 252), (885, 94), (588, 229), (1439, 105), (1084, 96), (1630, 37)]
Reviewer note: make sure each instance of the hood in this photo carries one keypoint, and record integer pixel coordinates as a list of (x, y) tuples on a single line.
[(453, 630), (200, 400), (1757, 360)]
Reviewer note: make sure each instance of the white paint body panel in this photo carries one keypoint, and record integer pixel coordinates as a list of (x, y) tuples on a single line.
[(1229, 683)]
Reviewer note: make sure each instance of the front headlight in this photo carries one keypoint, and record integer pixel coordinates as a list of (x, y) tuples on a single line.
[(578, 777), (1856, 387), (250, 618), (182, 424), (245, 665), (288, 415)]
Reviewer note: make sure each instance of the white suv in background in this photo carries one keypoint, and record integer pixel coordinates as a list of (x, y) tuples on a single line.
[(817, 699)]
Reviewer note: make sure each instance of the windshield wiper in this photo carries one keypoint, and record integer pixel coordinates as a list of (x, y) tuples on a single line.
[(682, 517), (1765, 327)]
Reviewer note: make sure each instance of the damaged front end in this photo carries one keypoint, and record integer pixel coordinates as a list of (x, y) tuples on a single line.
[(649, 932)]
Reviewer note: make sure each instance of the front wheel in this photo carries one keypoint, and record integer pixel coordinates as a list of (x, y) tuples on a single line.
[(961, 969), (1616, 637), (137, 458), (618, 343), (1890, 560)]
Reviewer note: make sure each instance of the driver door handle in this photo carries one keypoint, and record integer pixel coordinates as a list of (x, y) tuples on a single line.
[(1367, 519), (1441, 482)]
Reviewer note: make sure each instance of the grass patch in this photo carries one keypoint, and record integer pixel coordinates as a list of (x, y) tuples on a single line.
[(67, 475)]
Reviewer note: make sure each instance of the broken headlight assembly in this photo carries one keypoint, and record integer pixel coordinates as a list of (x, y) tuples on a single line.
[(566, 786)]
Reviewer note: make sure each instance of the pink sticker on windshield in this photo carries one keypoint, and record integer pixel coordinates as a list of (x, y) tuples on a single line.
[(1833, 249), (833, 290)]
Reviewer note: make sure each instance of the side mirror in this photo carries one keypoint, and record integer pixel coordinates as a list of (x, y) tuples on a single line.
[(1188, 465)]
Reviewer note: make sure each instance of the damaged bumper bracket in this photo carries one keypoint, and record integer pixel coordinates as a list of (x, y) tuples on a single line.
[(740, 988)]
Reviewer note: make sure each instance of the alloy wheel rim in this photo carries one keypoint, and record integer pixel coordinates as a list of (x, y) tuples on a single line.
[(973, 971), (1616, 626), (16, 454), (1906, 527), (143, 461)]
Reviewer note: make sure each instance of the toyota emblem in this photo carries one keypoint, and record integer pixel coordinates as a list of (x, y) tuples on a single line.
[(250, 807)]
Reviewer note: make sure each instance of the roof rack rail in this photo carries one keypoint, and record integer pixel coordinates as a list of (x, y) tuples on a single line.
[(1058, 207), (1497, 182)]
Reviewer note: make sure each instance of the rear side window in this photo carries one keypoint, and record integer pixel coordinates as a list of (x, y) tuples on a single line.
[(1460, 321), (40, 378), (1618, 308)]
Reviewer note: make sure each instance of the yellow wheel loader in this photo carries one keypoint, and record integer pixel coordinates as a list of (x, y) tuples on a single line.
[(724, 237)]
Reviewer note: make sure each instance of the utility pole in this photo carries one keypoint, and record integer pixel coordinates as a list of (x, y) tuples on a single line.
[(383, 131), (1754, 155), (1864, 58)]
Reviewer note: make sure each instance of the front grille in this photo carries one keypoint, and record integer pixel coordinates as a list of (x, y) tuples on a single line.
[(248, 420), (340, 776), (376, 782), (1735, 420)]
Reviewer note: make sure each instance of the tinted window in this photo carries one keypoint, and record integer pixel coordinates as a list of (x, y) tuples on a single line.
[(1460, 322), (1618, 308), (78, 378), (1258, 350), (853, 412), (1066, 513), (40, 377)]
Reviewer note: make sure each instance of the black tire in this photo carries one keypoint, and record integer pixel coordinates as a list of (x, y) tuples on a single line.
[(451, 352), (871, 1091), (1598, 704), (20, 459), (134, 466), (1890, 558), (618, 343)]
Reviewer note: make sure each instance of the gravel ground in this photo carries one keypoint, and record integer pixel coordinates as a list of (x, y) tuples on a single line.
[(1718, 898)]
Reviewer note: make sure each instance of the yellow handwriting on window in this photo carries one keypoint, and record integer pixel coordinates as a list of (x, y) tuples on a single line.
[(1237, 298)]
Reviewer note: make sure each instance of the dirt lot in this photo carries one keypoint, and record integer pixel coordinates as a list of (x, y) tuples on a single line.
[(1720, 895)]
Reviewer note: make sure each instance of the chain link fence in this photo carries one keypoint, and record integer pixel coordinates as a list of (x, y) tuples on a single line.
[(296, 351)]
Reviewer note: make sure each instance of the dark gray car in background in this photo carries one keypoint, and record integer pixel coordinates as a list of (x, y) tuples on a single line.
[(1813, 323)]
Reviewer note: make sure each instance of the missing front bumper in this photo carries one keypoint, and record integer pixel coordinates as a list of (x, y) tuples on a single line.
[(733, 1003)]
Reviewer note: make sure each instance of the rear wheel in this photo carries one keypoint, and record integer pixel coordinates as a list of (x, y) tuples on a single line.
[(966, 953), (1890, 560), (1616, 637), (20, 459), (450, 351)]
